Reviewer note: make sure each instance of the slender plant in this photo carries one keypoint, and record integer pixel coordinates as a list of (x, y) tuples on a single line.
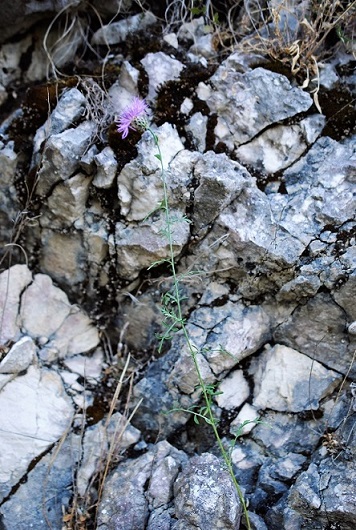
[(135, 117)]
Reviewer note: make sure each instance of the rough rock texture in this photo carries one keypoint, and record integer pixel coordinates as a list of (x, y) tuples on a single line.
[(95, 415)]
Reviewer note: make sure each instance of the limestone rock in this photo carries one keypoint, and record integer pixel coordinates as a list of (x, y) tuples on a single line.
[(62, 154), (74, 194), (38, 413), (245, 420), (12, 282), (44, 307), (103, 439), (125, 503), (46, 492), (160, 68), (140, 187), (237, 99), (286, 380), (139, 247), (220, 182), (234, 390), (19, 358), (234, 332), (278, 147), (70, 107), (106, 168), (318, 329), (205, 496), (63, 256), (116, 32)]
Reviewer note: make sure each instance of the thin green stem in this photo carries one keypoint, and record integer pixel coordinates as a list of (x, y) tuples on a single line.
[(177, 318)]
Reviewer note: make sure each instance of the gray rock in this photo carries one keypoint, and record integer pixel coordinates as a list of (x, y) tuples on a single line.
[(275, 474), (235, 390), (247, 459), (160, 68), (220, 182), (255, 98), (74, 193), (286, 380), (62, 154), (234, 332), (140, 187), (197, 128), (106, 439), (278, 147), (136, 486), (87, 160), (12, 283), (19, 358), (106, 168), (323, 200), (70, 107), (325, 492), (116, 32), (63, 256), (47, 491), (31, 428), (205, 496), (345, 295), (318, 329), (161, 409), (139, 247), (285, 433)]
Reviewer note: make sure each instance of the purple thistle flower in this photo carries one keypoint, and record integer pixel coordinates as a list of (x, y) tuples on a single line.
[(133, 117)]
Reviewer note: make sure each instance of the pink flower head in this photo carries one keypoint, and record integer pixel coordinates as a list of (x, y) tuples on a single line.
[(133, 117)]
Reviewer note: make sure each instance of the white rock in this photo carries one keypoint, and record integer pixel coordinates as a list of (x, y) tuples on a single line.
[(106, 168), (87, 367), (203, 91), (76, 335), (235, 390), (247, 413), (256, 99), (160, 68), (63, 256), (12, 283), (286, 380), (236, 332), (140, 187), (74, 193), (116, 32), (186, 106), (62, 154), (36, 413), (19, 357), (138, 247), (44, 307), (172, 40), (278, 147), (100, 441), (129, 76), (204, 46), (197, 126), (69, 108)]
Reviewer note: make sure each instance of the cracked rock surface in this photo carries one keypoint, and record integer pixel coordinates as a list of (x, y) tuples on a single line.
[(96, 429)]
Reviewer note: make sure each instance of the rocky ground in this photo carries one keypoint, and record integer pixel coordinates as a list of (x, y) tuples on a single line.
[(95, 429)]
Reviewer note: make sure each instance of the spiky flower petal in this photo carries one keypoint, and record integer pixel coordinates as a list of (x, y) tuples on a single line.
[(133, 117)]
